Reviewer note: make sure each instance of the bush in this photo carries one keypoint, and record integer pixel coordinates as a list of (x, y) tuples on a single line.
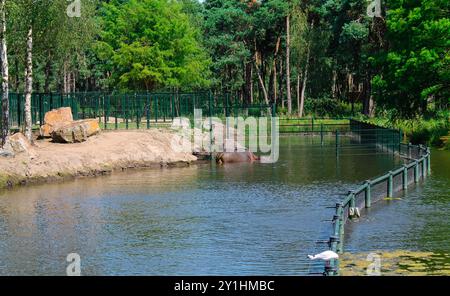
[(420, 130), (326, 107), (254, 111)]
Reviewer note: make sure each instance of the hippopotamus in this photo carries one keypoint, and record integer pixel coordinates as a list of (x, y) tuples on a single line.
[(235, 157)]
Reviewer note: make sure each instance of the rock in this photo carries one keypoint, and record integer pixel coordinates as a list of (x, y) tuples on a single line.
[(16, 144), (58, 115), (54, 119), (76, 131), (93, 126), (19, 143), (6, 153)]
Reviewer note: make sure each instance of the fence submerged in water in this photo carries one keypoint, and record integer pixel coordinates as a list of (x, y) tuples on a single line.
[(417, 167)]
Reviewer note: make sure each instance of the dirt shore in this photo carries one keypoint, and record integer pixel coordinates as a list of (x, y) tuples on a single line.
[(101, 154)]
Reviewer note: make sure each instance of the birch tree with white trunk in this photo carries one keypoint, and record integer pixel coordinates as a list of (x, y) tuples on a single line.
[(28, 83), (4, 73)]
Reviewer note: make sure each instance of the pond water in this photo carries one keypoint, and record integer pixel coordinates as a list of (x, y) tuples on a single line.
[(243, 219), (417, 221)]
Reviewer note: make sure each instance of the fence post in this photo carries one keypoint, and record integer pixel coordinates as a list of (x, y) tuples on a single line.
[(429, 161), (105, 111), (368, 197), (127, 107), (147, 109), (156, 109), (390, 185), (41, 113), (416, 171), (339, 213), (409, 150), (424, 167), (210, 124), (321, 134), (164, 98), (172, 98), (137, 103), (19, 118), (97, 110), (332, 269), (337, 142), (352, 199), (116, 122), (405, 177)]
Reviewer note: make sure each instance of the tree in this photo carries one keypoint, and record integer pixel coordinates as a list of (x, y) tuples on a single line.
[(288, 64), (28, 83), (151, 44), (4, 73), (415, 68)]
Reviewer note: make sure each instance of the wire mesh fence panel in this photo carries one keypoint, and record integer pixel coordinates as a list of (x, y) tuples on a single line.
[(379, 191), (417, 167), (397, 182), (360, 199)]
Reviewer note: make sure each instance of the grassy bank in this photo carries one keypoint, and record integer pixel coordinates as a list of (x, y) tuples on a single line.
[(431, 131)]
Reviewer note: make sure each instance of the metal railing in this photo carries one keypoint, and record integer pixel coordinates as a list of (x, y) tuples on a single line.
[(417, 167)]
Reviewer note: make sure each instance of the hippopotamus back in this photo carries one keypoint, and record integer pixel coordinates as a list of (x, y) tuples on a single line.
[(236, 157)]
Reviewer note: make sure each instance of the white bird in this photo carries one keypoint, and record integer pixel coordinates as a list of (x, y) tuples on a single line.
[(326, 256)]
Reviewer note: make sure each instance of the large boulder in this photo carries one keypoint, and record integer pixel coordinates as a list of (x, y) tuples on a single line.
[(76, 131), (54, 119), (19, 143), (16, 144)]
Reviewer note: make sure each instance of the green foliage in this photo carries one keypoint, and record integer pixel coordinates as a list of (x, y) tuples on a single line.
[(402, 59), (416, 67), (326, 107), (59, 41), (419, 130), (150, 44)]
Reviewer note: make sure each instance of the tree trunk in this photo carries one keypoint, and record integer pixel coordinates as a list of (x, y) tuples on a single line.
[(65, 78), (247, 87), (5, 75), (48, 73), (261, 83), (29, 84), (305, 75), (263, 88), (281, 87), (251, 85), (369, 104), (275, 82), (334, 85), (16, 79), (74, 82), (288, 66), (299, 104)]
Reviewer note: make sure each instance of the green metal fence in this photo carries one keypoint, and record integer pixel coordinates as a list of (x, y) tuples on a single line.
[(132, 110), (417, 166), (313, 125)]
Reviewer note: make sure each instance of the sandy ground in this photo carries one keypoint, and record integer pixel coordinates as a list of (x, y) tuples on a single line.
[(101, 154)]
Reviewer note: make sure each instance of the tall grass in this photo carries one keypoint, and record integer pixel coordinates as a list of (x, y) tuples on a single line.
[(427, 130)]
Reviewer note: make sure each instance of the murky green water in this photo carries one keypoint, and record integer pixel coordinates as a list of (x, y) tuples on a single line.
[(260, 219)]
